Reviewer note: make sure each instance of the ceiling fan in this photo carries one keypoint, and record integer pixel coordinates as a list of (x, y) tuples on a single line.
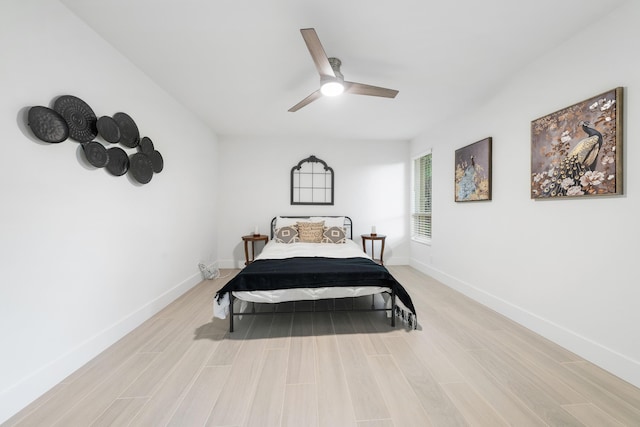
[(332, 81)]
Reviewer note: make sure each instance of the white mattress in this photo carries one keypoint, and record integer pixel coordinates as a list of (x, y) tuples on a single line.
[(349, 249), (273, 250)]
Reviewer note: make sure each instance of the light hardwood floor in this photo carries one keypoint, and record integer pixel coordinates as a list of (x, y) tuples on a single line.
[(464, 366)]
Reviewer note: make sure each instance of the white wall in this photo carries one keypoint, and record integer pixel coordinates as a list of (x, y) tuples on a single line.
[(564, 268), (370, 186), (86, 256)]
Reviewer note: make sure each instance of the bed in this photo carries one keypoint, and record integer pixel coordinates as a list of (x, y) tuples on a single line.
[(308, 259)]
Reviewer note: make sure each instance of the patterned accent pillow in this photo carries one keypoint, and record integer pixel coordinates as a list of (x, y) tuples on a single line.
[(311, 232), (287, 234), (334, 235)]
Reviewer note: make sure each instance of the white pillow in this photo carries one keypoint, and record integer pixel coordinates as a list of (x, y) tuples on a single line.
[(329, 221), (288, 222)]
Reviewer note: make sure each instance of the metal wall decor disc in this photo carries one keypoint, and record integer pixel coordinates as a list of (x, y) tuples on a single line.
[(79, 117), (118, 163), (108, 129), (146, 145), (129, 134), (96, 154), (157, 161), (141, 167), (47, 125)]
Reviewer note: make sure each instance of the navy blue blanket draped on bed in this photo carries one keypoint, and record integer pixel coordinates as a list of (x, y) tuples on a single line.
[(314, 272)]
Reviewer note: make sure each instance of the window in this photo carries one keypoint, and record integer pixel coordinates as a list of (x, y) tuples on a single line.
[(421, 199)]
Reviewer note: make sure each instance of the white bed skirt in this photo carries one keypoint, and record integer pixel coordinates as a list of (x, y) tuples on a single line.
[(221, 308), (275, 250), (312, 294)]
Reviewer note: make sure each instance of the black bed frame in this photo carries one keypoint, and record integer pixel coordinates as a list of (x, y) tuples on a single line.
[(348, 225)]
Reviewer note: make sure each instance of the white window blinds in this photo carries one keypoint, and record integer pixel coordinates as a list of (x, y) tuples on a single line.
[(421, 199)]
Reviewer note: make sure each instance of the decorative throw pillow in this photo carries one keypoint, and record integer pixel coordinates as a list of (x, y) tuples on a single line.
[(310, 232), (286, 234), (334, 235)]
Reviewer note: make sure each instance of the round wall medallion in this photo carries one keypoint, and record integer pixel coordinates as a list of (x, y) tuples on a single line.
[(96, 154), (146, 145), (108, 129), (118, 163), (129, 134), (141, 167), (79, 117), (47, 125), (157, 161)]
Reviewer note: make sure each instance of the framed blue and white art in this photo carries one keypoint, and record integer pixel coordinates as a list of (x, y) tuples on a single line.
[(473, 172)]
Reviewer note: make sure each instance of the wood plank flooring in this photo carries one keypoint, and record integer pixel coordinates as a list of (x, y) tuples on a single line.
[(464, 366)]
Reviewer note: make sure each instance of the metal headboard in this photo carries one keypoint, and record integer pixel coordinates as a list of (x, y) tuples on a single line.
[(348, 224)]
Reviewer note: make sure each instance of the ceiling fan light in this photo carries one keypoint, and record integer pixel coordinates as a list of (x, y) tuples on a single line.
[(332, 88)]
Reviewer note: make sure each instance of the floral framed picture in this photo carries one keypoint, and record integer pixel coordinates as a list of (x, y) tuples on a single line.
[(473, 172), (577, 151)]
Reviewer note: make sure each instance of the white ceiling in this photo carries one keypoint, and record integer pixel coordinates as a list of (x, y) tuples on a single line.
[(241, 64)]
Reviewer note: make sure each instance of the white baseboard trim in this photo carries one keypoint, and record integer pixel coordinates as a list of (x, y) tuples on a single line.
[(18, 396), (606, 358), (230, 264), (396, 261)]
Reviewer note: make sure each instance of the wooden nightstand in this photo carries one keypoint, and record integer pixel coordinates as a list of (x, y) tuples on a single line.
[(253, 238), (373, 238)]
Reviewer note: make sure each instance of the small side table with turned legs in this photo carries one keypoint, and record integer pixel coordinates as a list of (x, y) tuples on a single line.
[(253, 238), (373, 238)]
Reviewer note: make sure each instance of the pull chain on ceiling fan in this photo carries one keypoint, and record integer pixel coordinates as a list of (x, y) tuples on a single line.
[(331, 79)]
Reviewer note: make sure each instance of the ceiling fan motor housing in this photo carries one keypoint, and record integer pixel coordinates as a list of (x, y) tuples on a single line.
[(335, 65), (329, 85)]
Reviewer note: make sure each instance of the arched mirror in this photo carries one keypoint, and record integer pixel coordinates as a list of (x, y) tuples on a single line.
[(312, 182)]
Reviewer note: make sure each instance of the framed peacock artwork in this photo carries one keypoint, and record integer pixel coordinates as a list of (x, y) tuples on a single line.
[(473, 172), (577, 151)]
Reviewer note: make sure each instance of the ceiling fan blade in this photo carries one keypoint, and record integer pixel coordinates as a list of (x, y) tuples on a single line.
[(308, 100), (317, 52), (362, 89)]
